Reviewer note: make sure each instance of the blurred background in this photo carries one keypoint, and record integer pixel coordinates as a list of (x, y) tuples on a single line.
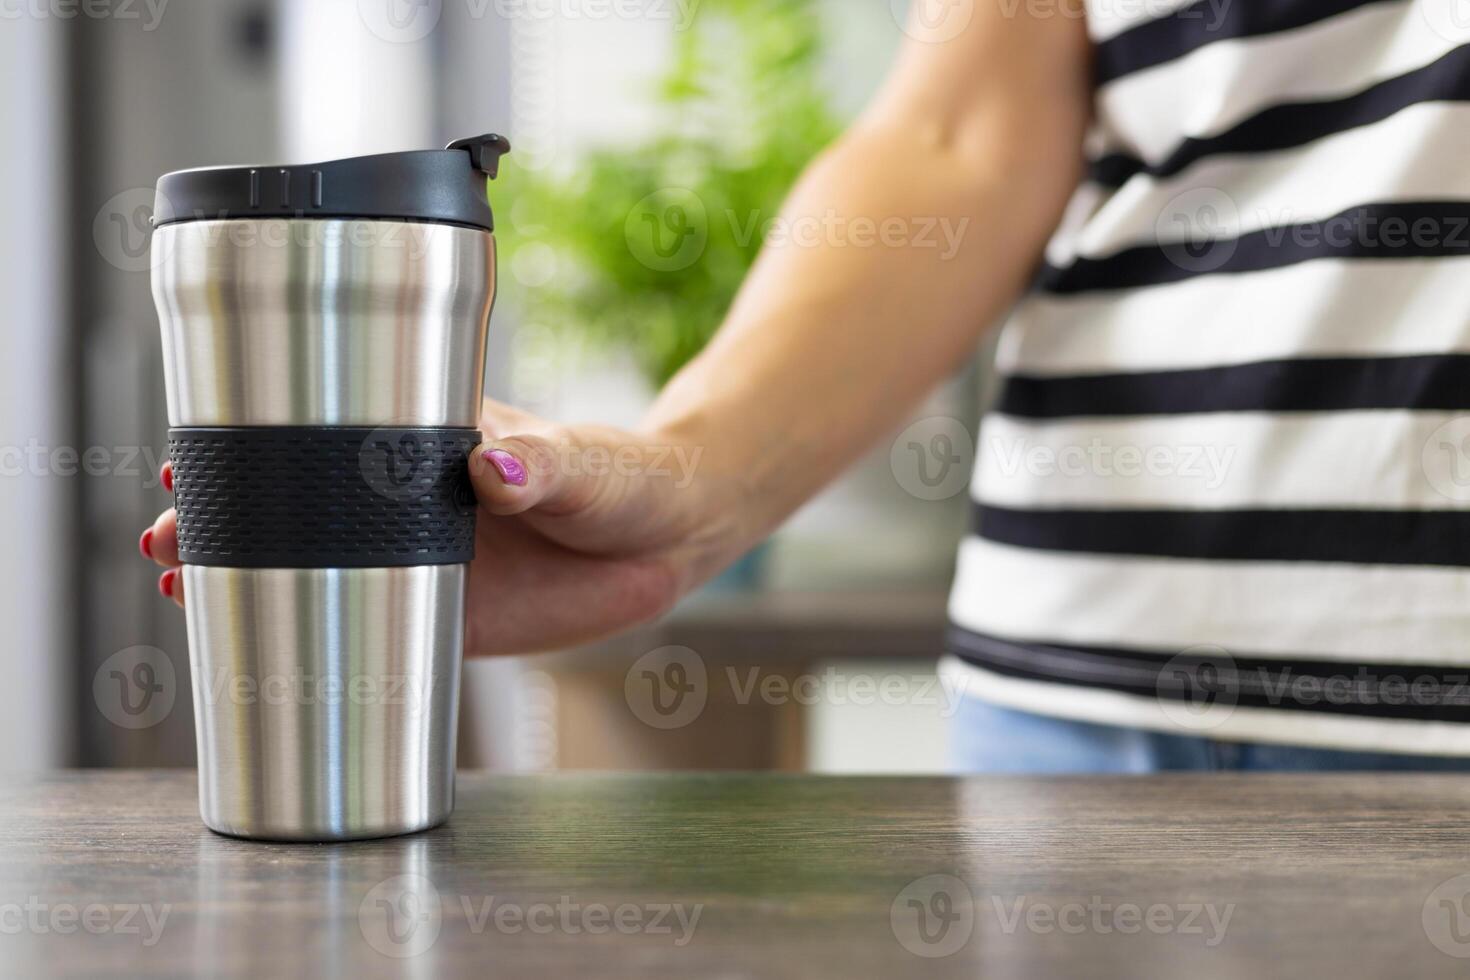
[(654, 141)]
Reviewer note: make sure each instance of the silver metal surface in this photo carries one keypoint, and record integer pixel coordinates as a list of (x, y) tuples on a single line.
[(323, 322), (326, 700)]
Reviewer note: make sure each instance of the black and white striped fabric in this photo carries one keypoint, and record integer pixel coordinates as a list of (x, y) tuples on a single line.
[(1226, 487)]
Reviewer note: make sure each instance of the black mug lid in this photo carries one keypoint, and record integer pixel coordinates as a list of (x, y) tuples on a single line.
[(446, 186)]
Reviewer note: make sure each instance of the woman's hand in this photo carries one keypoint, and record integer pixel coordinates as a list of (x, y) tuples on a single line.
[(583, 531), (830, 344)]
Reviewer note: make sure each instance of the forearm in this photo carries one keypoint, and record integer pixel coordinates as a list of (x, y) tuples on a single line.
[(913, 243)]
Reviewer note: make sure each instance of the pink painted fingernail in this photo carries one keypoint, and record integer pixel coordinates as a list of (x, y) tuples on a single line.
[(166, 583), (145, 543), (509, 468)]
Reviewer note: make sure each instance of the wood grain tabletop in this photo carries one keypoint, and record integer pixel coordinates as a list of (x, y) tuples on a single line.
[(758, 876)]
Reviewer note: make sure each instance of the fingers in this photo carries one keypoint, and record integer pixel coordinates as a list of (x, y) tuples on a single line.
[(595, 595), (161, 541), (499, 420), (171, 586), (160, 544)]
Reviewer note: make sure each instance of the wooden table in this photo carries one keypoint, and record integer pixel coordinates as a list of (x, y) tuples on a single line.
[(745, 876)]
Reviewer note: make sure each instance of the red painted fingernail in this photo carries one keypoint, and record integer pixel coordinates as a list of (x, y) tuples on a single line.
[(167, 476), (145, 543), (509, 468), (166, 582)]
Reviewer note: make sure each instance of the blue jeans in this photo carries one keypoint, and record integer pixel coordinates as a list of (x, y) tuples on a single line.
[(986, 738)]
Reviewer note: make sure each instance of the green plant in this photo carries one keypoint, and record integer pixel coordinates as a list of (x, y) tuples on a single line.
[(650, 241)]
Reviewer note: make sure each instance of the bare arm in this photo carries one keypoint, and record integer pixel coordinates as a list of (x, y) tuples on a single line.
[(936, 207), (968, 155)]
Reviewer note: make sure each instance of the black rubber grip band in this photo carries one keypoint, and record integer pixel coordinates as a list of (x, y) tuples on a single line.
[(324, 497)]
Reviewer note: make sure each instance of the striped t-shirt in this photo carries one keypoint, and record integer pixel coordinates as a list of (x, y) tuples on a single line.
[(1225, 489)]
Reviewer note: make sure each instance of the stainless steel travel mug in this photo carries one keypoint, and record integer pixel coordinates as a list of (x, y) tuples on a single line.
[(324, 332)]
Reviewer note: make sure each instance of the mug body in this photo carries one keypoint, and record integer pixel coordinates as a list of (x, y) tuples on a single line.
[(324, 382)]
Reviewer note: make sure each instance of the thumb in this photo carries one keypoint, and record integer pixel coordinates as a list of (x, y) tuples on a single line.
[(519, 473), (590, 488)]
